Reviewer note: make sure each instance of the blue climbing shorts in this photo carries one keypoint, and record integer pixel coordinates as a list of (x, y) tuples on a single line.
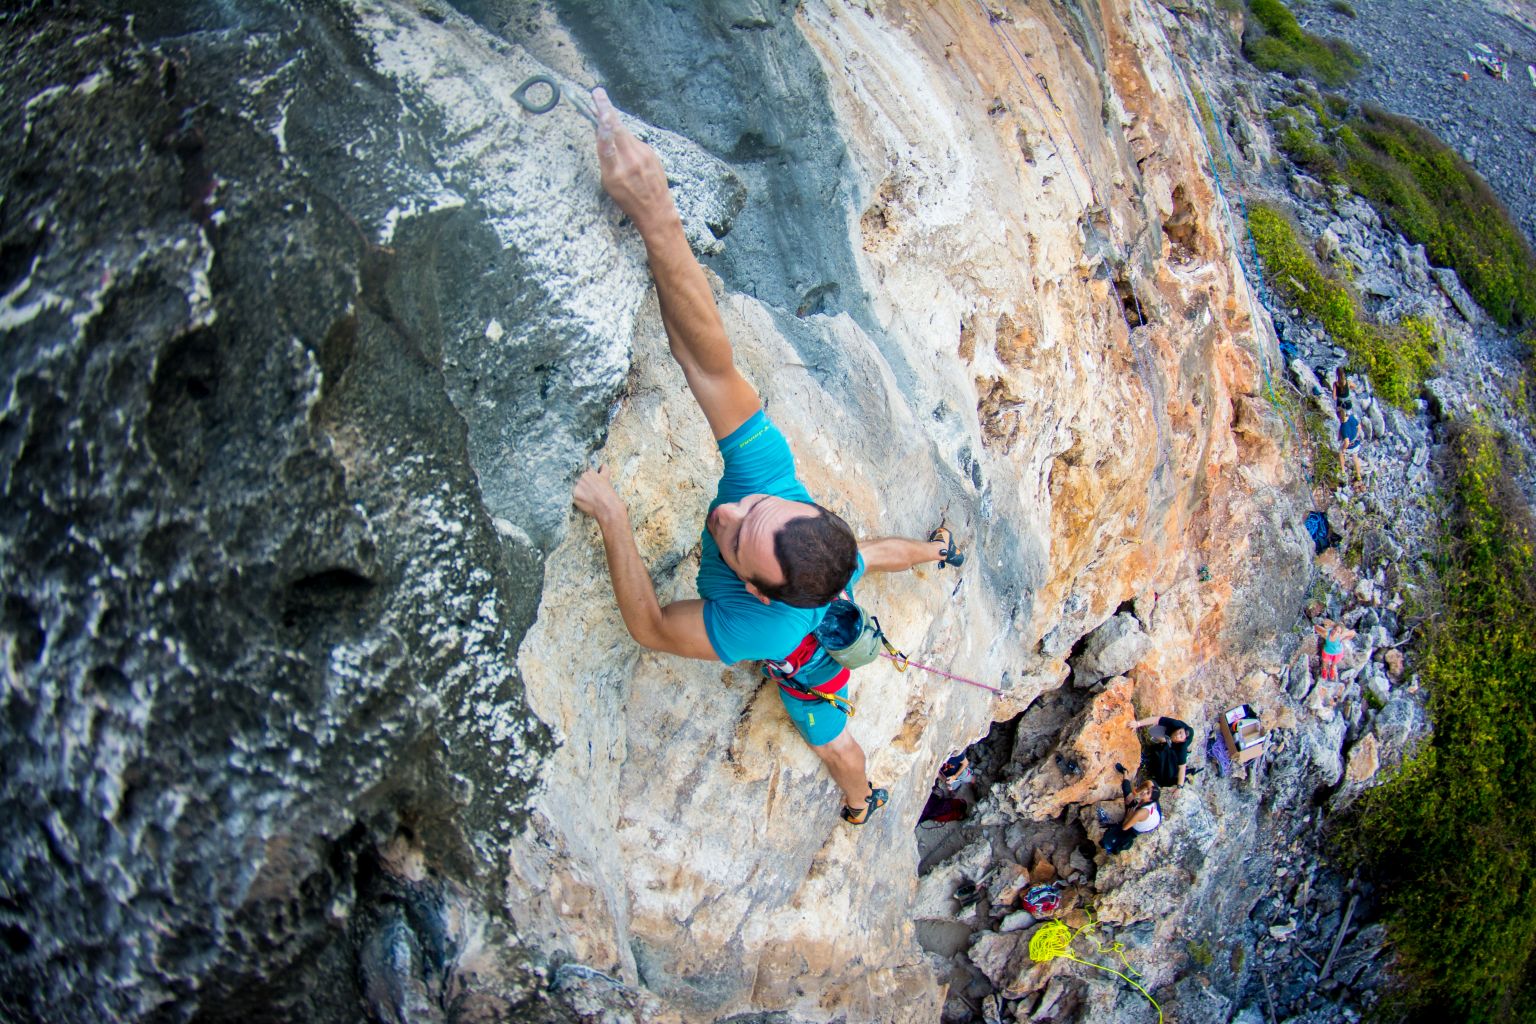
[(819, 721)]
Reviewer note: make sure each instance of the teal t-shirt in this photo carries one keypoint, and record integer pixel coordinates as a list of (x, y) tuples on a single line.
[(740, 627)]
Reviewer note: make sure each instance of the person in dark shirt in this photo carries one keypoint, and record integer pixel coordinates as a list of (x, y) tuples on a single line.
[(1340, 385), (1167, 750)]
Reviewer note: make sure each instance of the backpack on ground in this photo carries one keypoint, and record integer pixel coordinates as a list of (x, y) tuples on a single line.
[(1041, 900), (1117, 839)]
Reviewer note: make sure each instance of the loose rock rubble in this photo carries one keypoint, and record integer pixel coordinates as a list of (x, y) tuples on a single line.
[(1232, 911)]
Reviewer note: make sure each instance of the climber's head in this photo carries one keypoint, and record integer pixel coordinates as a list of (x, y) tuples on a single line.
[(791, 551), (1182, 735)]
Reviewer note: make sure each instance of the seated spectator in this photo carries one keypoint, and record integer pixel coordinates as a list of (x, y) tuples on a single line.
[(1141, 814), (1167, 749), (955, 772)]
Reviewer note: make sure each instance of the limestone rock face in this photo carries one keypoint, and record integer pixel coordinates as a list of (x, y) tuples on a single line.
[(317, 703), (1112, 649)]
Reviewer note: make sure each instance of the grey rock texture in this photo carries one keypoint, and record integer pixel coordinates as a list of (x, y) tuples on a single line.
[(260, 420), (1111, 650)]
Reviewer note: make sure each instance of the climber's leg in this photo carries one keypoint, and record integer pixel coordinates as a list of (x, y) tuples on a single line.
[(844, 759)]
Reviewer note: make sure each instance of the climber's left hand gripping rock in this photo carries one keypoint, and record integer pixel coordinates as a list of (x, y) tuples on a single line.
[(594, 495), (632, 172)]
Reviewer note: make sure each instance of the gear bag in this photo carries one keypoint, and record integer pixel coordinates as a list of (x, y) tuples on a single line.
[(851, 636)]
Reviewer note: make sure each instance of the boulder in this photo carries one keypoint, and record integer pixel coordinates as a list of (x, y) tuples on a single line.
[(1000, 955), (1364, 760), (1016, 921), (1327, 246), (1111, 650), (1450, 284), (1379, 284), (1393, 660), (1378, 421)]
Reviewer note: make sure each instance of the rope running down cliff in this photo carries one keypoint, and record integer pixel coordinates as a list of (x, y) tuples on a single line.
[(1011, 50), (1255, 277)]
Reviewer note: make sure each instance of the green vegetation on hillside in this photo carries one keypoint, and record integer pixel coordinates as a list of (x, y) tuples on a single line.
[(1275, 42), (1397, 358), (1452, 836), (1431, 195), (1425, 190)]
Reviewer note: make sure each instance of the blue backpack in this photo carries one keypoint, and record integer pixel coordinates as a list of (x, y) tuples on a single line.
[(1317, 528)]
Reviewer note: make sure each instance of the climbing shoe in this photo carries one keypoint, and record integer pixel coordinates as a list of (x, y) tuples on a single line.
[(1119, 767), (877, 799), (947, 554)]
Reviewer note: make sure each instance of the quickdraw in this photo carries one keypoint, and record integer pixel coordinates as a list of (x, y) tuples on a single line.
[(533, 106)]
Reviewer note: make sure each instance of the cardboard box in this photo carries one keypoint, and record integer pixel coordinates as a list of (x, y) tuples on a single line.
[(1243, 734)]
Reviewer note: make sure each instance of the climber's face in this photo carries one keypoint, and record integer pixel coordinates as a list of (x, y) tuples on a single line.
[(1182, 735), (744, 531)]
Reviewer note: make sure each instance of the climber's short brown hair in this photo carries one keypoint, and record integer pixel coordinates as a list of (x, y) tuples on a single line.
[(817, 555)]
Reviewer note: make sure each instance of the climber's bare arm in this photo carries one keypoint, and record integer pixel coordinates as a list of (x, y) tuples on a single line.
[(677, 628), (633, 176), (898, 554)]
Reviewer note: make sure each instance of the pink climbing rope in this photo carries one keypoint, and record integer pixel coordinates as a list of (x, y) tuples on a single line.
[(940, 672)]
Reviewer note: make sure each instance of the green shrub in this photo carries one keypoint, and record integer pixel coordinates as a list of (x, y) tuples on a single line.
[(1397, 359), (1432, 196), (1452, 836), (1325, 463), (1424, 189), (1274, 41), (1302, 145), (1343, 7)]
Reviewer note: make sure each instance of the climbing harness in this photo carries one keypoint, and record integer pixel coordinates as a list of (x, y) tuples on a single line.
[(525, 100), (1054, 939), (782, 672)]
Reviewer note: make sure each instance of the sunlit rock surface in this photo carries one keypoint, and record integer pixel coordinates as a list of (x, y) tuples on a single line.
[(317, 703)]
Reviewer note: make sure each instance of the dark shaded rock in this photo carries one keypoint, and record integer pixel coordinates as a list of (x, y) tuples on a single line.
[(257, 617)]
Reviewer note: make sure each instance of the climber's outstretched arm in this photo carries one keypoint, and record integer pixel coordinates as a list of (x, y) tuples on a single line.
[(633, 176), (898, 554), (677, 628)]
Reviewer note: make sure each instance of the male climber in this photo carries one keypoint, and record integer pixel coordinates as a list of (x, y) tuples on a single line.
[(771, 559)]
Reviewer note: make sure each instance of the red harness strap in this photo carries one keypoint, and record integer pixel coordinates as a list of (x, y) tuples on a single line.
[(797, 660)]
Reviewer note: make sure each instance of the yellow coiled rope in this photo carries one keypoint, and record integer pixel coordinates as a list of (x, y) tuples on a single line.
[(1054, 940)]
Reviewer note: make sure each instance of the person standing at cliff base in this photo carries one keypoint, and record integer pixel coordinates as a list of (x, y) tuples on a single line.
[(1335, 637), (1349, 441), (1167, 751), (771, 559)]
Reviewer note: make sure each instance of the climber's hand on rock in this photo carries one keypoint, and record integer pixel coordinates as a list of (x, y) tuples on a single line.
[(594, 494), (632, 172)]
